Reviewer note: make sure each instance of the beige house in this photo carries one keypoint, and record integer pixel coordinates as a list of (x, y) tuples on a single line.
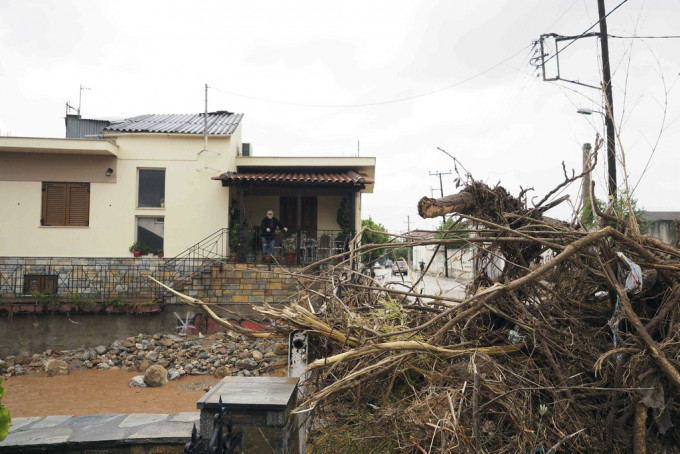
[(167, 182)]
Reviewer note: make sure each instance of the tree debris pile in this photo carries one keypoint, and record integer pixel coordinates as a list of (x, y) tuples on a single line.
[(566, 341), (569, 344)]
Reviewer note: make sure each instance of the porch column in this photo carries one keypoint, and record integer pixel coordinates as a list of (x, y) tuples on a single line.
[(299, 223)]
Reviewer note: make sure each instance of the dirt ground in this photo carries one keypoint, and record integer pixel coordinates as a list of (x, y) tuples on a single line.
[(88, 392)]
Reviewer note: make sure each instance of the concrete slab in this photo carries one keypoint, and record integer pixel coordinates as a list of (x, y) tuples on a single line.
[(51, 421), (142, 419), (163, 432), (36, 437), (95, 428), (250, 393), (187, 416), (23, 423)]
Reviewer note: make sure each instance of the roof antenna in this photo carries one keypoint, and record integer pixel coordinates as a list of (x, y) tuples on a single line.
[(80, 96), (205, 123)]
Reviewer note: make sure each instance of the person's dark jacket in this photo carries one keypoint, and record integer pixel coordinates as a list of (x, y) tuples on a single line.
[(272, 224)]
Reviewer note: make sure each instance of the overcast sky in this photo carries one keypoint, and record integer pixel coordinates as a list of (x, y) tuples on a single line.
[(314, 78)]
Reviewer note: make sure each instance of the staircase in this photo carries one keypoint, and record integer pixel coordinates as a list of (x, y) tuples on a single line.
[(193, 261)]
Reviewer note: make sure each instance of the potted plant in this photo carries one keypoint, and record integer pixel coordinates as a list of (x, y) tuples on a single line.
[(139, 248), (289, 245)]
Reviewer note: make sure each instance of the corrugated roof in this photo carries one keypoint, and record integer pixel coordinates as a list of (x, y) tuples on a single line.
[(349, 177), (661, 215), (219, 123)]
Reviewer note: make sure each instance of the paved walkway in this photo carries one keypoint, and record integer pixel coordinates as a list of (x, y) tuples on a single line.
[(49, 432)]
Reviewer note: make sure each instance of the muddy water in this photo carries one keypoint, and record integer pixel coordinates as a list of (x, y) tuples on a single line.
[(88, 392)]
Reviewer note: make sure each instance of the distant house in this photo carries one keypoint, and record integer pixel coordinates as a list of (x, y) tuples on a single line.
[(460, 260), (663, 225), (168, 181)]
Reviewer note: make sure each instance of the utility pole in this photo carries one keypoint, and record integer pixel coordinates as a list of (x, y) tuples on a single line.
[(408, 249), (441, 190), (585, 187), (608, 101)]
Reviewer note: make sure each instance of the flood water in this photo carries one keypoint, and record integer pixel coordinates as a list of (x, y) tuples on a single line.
[(89, 392)]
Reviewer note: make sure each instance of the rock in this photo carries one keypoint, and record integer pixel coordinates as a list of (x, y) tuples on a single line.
[(166, 342), (222, 372), (55, 367), (173, 374), (248, 363), (247, 373), (153, 356), (100, 349), (156, 376), (164, 363), (137, 382), (129, 342), (140, 346), (156, 336), (103, 366), (281, 349), (35, 357), (202, 355), (257, 356), (145, 364), (244, 355)]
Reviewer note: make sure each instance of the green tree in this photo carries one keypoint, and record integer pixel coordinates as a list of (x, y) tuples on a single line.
[(621, 211), (374, 238), (4, 415), (449, 230)]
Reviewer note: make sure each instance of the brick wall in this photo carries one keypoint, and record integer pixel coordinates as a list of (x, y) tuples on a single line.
[(241, 284)]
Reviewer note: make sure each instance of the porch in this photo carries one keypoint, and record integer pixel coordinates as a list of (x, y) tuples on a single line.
[(319, 204)]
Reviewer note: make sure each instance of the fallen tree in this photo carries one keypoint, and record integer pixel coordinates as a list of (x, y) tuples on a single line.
[(567, 340)]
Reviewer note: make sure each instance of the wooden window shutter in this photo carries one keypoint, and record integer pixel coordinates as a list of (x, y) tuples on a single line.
[(66, 204), (54, 204), (78, 212)]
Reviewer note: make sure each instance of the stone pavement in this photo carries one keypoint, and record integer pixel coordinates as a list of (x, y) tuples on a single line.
[(51, 433)]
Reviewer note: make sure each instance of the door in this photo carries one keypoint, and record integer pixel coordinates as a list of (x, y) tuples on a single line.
[(288, 214)]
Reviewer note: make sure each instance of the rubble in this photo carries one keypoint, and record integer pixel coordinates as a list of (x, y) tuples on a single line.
[(219, 354)]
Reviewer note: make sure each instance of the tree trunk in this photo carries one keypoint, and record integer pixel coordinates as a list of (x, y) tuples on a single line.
[(456, 203)]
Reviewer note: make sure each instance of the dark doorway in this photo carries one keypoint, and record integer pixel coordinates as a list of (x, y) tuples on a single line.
[(288, 214)]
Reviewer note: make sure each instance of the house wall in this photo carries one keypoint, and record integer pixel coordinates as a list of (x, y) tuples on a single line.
[(195, 205), (460, 260), (666, 231)]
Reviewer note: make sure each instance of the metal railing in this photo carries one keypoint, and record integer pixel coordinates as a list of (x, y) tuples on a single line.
[(76, 281)]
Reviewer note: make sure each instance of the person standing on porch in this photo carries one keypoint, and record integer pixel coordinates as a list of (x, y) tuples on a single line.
[(268, 230)]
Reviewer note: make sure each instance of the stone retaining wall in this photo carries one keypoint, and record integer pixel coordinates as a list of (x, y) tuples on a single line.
[(235, 286)]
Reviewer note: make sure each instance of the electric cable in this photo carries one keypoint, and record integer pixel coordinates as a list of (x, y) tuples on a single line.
[(379, 103)]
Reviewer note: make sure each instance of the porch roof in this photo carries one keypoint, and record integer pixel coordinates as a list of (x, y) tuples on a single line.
[(302, 177)]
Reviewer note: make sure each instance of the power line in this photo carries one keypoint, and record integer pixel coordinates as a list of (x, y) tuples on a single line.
[(645, 37), (378, 103), (584, 32)]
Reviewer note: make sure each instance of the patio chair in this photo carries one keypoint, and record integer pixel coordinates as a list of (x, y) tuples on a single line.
[(324, 246)]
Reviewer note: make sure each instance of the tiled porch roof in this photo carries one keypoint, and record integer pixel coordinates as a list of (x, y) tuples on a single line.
[(348, 177)]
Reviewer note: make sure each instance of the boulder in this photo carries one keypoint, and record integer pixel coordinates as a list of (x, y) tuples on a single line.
[(173, 374), (156, 376), (137, 382), (145, 364), (222, 372), (56, 367)]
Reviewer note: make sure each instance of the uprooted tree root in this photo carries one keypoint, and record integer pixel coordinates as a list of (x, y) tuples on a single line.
[(542, 355)]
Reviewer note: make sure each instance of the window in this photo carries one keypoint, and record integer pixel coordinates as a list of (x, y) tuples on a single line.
[(40, 283), (151, 188), (150, 232), (65, 204)]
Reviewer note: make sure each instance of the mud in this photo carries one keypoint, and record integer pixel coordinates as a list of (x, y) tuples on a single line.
[(88, 392)]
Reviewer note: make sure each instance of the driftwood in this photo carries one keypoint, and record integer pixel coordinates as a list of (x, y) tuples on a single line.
[(548, 350), (456, 203)]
